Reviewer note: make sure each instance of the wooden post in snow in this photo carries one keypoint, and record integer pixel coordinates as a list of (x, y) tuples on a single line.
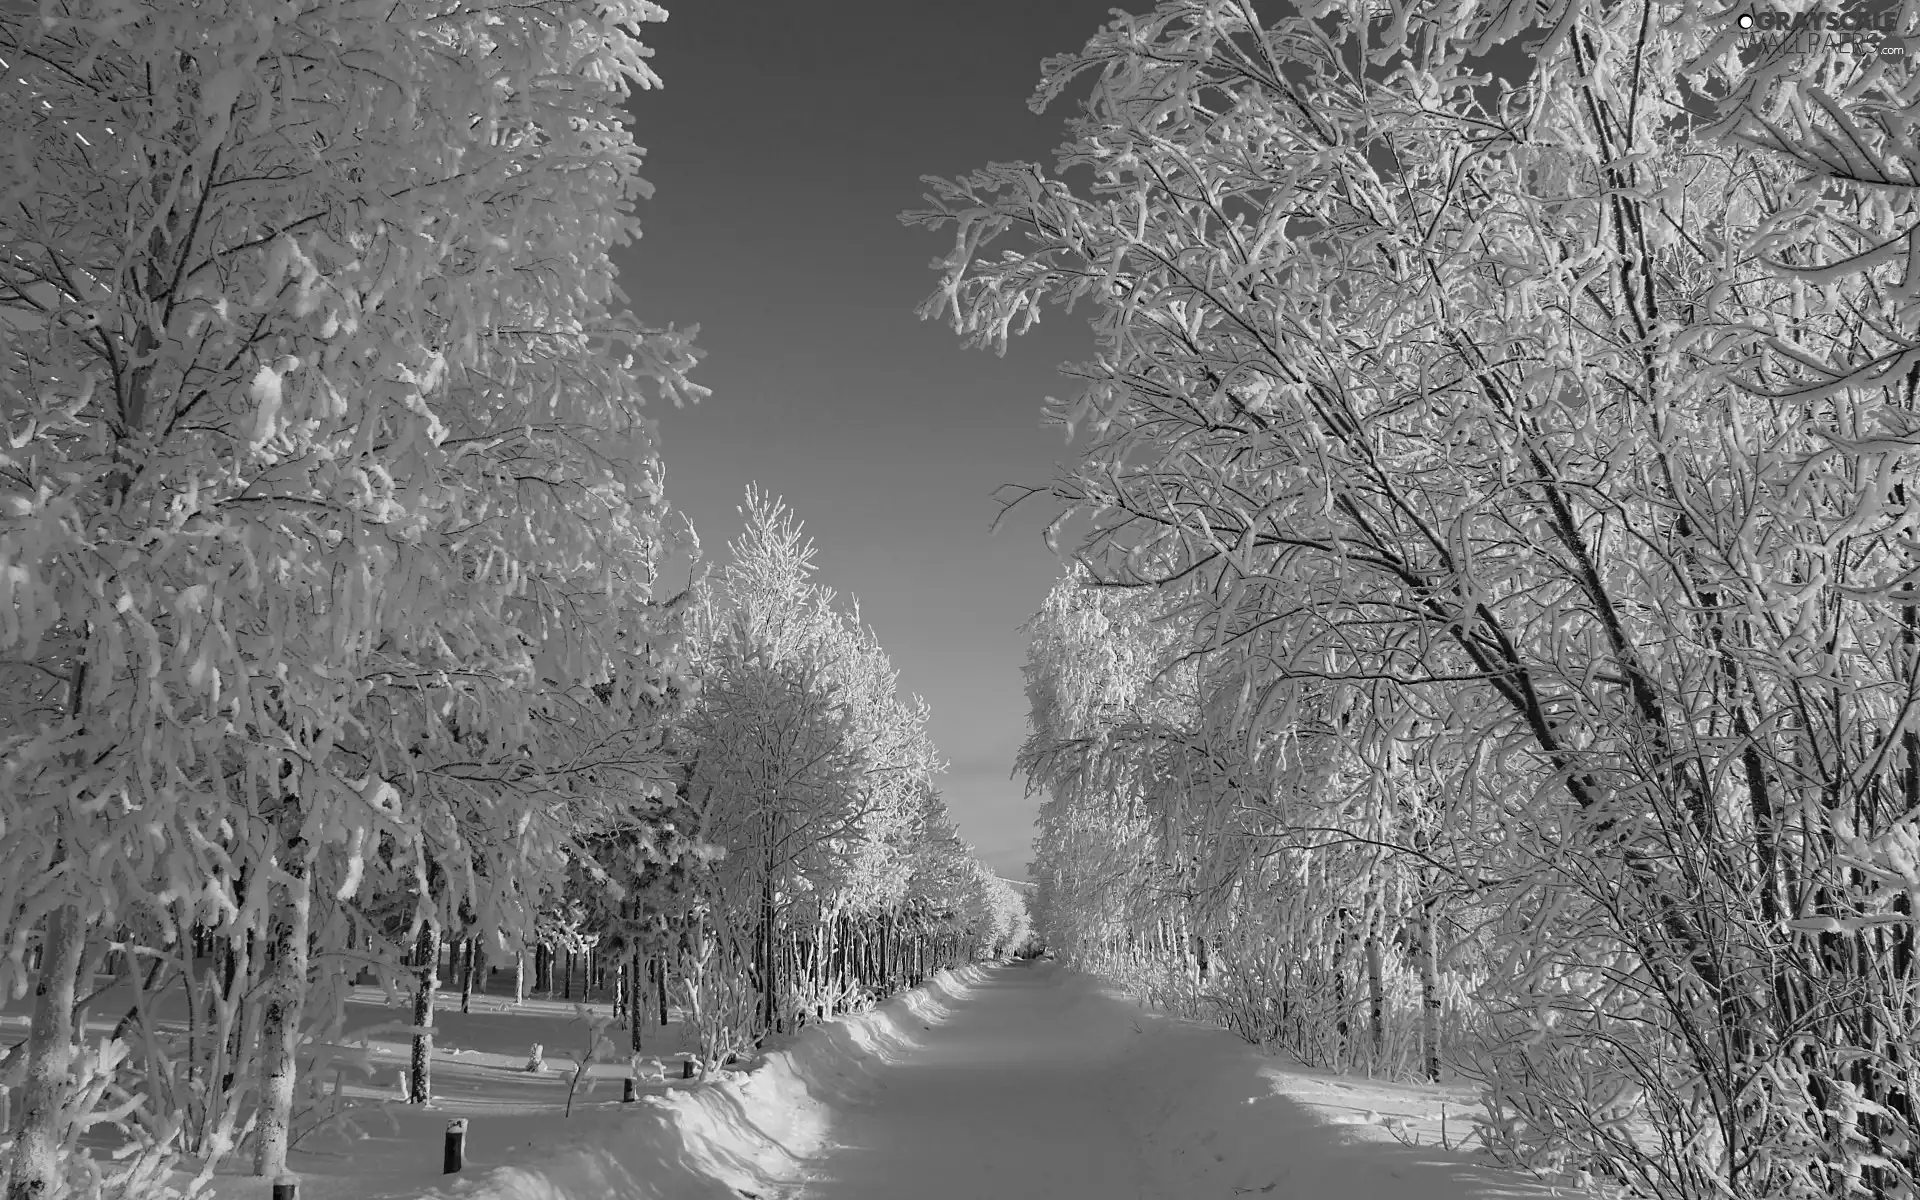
[(456, 1148)]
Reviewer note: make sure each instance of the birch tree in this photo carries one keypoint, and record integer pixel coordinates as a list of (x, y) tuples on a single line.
[(813, 772), (324, 448), (1548, 426)]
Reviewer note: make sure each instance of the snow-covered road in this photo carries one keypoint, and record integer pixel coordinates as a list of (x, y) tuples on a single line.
[(1037, 1085), (1009, 1097)]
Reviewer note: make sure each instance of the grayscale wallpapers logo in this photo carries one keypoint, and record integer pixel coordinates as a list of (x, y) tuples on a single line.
[(1864, 31)]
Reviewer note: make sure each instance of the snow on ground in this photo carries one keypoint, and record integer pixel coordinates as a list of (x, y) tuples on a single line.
[(1041, 1084), (1019, 1081), (479, 1072), (745, 1134)]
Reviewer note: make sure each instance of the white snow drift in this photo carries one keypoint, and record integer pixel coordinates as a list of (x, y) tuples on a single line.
[(744, 1133)]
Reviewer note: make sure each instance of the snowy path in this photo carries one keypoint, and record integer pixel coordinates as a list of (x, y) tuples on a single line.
[(1006, 1098), (1036, 1085)]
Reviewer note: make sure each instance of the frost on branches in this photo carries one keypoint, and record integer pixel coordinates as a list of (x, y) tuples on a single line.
[(328, 521), (842, 878), (1503, 509)]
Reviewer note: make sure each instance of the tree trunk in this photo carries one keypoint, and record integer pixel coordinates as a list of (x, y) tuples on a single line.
[(474, 975), (35, 1172), (238, 1044), (833, 972), (1429, 991), (817, 965), (1342, 1030), (763, 948), (636, 999), (420, 1072), (136, 1011), (883, 955), (1376, 999), (280, 1035), (660, 983), (1183, 946)]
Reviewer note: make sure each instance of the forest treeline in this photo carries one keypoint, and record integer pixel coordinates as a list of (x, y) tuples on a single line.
[(1493, 645), (334, 646)]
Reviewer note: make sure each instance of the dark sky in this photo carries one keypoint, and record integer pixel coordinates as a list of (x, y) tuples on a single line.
[(784, 143)]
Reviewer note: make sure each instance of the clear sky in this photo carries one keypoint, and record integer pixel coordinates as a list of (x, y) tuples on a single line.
[(787, 138)]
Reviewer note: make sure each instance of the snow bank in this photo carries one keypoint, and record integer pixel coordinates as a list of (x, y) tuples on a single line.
[(739, 1133)]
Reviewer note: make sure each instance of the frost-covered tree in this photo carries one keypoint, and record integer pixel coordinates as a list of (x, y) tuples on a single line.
[(1242, 859), (813, 774), (954, 899), (1561, 434), (326, 497), (775, 784), (994, 922)]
